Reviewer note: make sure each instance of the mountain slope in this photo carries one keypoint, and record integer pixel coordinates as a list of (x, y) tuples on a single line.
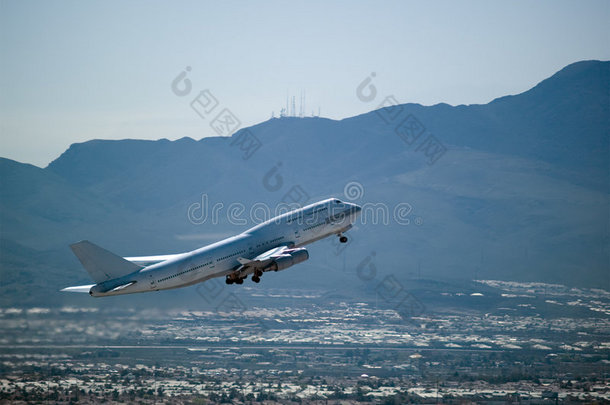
[(521, 193)]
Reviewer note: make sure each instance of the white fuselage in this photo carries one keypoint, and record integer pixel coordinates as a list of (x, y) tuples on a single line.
[(293, 229)]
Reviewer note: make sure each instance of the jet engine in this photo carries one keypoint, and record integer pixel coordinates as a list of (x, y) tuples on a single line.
[(287, 259)]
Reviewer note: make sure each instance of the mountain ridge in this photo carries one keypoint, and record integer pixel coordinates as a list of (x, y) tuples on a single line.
[(520, 193)]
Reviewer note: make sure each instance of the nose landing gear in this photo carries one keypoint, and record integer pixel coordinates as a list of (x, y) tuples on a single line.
[(342, 238)]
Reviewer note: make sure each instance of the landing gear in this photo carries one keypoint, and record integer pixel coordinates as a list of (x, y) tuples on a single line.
[(256, 277), (235, 278), (230, 280), (342, 238)]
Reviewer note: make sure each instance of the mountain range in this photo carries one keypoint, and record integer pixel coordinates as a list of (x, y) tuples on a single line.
[(516, 189)]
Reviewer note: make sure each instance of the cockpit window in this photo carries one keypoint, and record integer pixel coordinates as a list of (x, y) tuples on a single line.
[(338, 201)]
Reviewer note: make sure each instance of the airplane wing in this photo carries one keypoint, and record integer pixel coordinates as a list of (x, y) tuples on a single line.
[(150, 260), (262, 260), (276, 259)]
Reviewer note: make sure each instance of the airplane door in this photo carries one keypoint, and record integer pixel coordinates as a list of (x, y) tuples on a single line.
[(208, 269), (297, 232), (153, 285)]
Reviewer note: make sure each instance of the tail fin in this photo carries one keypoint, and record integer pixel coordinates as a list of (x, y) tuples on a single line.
[(101, 264)]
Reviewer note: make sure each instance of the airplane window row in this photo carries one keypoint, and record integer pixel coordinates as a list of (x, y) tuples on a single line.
[(290, 220), (183, 272), (337, 217), (306, 214), (270, 241), (231, 255), (315, 211), (315, 226)]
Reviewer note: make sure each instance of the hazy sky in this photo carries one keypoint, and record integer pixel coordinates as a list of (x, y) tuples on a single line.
[(71, 71)]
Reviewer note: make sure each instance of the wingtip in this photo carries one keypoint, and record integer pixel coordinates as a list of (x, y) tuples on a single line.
[(79, 242)]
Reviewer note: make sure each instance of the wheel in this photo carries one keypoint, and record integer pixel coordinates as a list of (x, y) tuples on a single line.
[(258, 273), (343, 239), (256, 279), (228, 280), (239, 281)]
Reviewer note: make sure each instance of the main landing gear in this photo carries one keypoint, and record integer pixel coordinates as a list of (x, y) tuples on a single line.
[(256, 277), (230, 280)]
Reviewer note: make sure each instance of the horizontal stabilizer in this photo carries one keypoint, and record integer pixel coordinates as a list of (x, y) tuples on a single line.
[(78, 288), (101, 264)]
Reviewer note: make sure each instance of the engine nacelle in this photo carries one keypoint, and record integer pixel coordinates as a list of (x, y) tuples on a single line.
[(286, 260)]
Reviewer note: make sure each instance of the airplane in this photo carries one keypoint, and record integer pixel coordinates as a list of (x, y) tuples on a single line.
[(273, 245)]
